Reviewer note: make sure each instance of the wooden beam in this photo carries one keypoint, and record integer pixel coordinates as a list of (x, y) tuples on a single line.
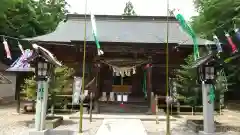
[(164, 65)]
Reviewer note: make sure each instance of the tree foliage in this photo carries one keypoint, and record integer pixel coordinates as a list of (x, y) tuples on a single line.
[(216, 16), (221, 86), (29, 18), (187, 82), (129, 9), (190, 89), (61, 79), (30, 88)]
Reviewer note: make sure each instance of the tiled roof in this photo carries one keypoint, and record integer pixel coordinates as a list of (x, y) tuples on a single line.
[(112, 28)]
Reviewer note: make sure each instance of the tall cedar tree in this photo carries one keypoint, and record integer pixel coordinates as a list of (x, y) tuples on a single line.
[(129, 9)]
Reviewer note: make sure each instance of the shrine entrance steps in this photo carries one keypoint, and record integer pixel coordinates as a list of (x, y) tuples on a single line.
[(142, 117), (118, 107)]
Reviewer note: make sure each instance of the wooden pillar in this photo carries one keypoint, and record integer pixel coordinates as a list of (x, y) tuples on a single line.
[(97, 93), (149, 84), (17, 93)]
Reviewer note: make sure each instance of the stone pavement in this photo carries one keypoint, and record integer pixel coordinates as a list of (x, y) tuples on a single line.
[(121, 127), (177, 128), (89, 128)]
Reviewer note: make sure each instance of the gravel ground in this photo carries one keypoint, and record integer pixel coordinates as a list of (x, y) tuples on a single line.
[(10, 123), (13, 124), (177, 128)]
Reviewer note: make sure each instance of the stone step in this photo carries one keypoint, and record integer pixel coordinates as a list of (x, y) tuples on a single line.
[(161, 117)]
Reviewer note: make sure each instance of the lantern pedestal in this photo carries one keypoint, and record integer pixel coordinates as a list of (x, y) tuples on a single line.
[(43, 132), (42, 74), (44, 105), (206, 72), (41, 105), (43, 61), (205, 133), (208, 111)]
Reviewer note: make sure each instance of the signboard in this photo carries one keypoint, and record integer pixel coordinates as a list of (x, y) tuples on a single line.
[(40, 90), (77, 85)]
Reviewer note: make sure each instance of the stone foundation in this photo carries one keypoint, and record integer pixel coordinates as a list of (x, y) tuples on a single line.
[(197, 125)]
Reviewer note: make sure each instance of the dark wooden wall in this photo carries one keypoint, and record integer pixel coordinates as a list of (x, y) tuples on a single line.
[(72, 56)]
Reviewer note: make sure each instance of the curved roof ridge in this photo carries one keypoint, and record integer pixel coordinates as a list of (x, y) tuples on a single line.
[(121, 17)]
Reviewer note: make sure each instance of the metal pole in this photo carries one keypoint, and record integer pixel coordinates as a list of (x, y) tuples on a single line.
[(167, 93), (208, 109), (83, 70), (38, 106), (44, 105)]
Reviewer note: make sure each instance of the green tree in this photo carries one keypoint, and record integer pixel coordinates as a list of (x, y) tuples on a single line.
[(212, 19), (221, 86), (187, 86), (186, 75), (29, 18), (129, 9), (190, 90), (61, 78)]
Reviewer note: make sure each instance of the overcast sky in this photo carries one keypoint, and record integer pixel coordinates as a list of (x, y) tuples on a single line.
[(142, 7)]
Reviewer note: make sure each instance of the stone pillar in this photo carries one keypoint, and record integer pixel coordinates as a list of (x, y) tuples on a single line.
[(44, 106), (208, 112)]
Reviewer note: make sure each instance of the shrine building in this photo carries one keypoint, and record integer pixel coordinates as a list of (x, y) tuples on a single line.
[(134, 60)]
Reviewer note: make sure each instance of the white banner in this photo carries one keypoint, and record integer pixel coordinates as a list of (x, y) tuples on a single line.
[(77, 85)]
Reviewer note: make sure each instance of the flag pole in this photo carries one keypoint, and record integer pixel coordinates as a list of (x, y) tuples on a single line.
[(83, 71), (167, 59)]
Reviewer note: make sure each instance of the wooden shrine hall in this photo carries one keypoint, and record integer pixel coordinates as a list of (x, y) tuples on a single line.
[(133, 64)]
